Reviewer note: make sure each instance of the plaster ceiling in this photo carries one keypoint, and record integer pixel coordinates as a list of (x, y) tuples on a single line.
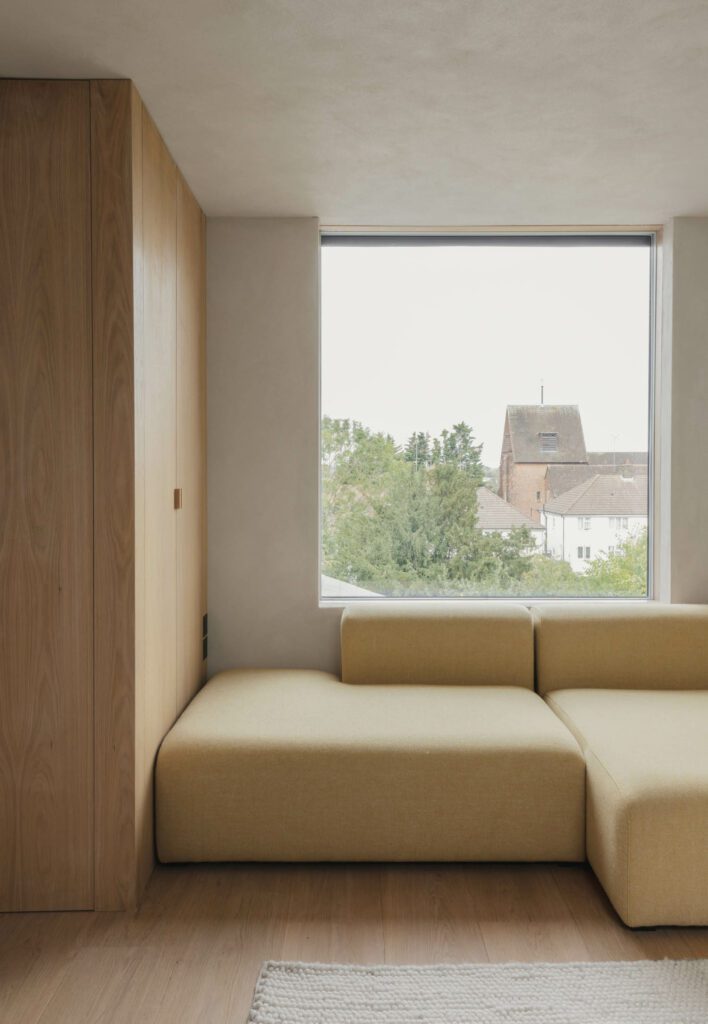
[(411, 112)]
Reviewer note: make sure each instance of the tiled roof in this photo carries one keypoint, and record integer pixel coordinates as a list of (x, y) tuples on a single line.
[(527, 424), (493, 513), (618, 458), (560, 479), (603, 495)]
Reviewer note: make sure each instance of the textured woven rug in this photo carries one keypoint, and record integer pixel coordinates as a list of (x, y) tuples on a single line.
[(645, 992)]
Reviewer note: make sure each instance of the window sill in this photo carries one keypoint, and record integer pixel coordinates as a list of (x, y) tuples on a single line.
[(528, 602)]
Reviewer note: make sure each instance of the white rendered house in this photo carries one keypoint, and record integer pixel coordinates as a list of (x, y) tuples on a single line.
[(595, 518)]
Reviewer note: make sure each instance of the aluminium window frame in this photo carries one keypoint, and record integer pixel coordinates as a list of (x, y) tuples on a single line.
[(569, 236)]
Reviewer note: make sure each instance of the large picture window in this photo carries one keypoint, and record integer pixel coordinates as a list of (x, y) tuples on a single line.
[(485, 416)]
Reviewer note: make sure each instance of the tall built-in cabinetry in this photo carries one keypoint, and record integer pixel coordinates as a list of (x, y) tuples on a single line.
[(102, 485)]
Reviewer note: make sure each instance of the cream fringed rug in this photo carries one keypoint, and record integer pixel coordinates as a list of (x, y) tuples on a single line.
[(645, 992)]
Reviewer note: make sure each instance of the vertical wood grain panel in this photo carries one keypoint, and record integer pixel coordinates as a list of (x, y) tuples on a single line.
[(94, 577), (159, 240), (114, 491), (143, 836), (46, 517), (191, 443)]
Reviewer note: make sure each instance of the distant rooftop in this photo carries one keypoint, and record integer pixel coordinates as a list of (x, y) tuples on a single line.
[(493, 513), (560, 479), (339, 588), (545, 433), (604, 495), (618, 458)]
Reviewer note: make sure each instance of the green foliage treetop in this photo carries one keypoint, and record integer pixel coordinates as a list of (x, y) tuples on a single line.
[(403, 521)]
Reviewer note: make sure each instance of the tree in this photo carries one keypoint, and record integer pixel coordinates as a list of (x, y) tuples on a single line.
[(417, 450), (459, 449), (546, 577), (359, 468), (623, 573), (404, 521), (336, 439)]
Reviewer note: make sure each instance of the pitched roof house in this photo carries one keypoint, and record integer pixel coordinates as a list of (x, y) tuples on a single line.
[(544, 433), (603, 495), (562, 478), (535, 437), (494, 515), (596, 518)]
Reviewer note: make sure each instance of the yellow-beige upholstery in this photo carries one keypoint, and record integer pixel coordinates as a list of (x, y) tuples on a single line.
[(298, 765), (435, 747), (647, 798), (438, 643), (628, 647), (631, 682)]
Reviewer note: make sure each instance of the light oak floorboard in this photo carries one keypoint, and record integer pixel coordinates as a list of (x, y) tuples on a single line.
[(193, 950)]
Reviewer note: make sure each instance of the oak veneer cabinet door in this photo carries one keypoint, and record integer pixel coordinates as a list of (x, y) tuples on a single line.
[(156, 698), (46, 484), (191, 446), (115, 201)]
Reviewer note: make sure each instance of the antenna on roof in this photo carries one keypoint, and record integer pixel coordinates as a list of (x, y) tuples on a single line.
[(541, 390)]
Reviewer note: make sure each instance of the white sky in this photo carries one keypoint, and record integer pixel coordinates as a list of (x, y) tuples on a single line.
[(419, 338)]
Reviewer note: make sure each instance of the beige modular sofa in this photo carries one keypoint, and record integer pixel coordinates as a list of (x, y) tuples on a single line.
[(433, 745), (631, 684)]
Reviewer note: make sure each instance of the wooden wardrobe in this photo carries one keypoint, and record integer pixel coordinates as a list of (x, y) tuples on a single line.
[(102, 485)]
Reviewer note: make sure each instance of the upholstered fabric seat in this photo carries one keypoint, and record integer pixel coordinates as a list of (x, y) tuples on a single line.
[(297, 765), (631, 682), (647, 798)]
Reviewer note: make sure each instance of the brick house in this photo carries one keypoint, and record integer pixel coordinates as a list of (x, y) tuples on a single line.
[(535, 438)]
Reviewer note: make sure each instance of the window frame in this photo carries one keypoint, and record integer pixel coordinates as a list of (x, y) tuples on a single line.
[(643, 236)]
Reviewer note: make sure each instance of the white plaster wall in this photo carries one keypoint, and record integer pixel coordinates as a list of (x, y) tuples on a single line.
[(599, 538), (686, 320), (263, 411), (565, 536), (263, 325), (554, 535)]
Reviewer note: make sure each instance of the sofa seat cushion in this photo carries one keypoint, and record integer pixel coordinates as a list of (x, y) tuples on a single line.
[(647, 798), (296, 765)]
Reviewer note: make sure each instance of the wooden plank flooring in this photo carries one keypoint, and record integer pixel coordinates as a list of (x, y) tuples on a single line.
[(192, 952)]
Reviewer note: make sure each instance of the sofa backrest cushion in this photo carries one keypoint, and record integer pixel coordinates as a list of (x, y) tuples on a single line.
[(626, 647), (448, 643)]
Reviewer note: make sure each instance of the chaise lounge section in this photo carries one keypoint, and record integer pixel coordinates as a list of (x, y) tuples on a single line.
[(631, 684), (432, 746)]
